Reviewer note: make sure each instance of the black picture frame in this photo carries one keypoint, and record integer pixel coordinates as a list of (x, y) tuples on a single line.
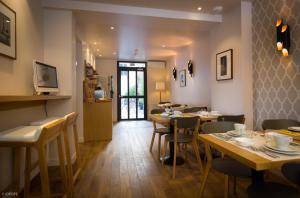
[(224, 65), (8, 32)]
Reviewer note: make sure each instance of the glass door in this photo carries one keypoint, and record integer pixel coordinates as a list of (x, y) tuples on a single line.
[(132, 90)]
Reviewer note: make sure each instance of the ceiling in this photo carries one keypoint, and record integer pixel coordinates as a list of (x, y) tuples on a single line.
[(181, 5), (143, 37)]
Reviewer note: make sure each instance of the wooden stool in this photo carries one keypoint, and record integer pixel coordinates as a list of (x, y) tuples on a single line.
[(70, 121), (50, 132), (17, 138)]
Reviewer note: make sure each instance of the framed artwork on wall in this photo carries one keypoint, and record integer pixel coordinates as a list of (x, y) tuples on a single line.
[(8, 41), (224, 65), (182, 78)]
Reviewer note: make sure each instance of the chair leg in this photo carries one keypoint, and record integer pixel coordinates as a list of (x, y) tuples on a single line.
[(226, 186), (174, 160), (27, 172), (70, 180), (159, 145), (62, 164), (196, 150), (77, 150), (164, 152), (17, 159), (43, 171), (152, 141), (234, 186)]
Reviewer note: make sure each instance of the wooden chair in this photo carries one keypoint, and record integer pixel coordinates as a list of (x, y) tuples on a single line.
[(277, 124), (159, 130), (35, 137), (70, 121), (226, 165), (232, 118), (194, 109), (49, 133), (183, 123), (17, 138)]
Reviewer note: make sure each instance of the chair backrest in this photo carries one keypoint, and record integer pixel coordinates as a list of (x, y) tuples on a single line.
[(292, 172), (194, 109), (52, 130), (185, 122), (71, 118), (279, 124), (217, 127), (232, 118), (157, 111)]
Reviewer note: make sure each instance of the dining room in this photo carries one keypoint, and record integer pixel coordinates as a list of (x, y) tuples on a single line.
[(161, 98)]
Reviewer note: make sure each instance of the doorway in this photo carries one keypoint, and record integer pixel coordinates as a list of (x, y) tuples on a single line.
[(132, 90)]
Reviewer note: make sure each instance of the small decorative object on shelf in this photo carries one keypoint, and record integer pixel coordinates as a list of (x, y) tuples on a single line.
[(224, 65), (174, 73), (89, 90), (191, 68)]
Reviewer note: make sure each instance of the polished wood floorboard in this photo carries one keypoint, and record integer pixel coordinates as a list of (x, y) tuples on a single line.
[(124, 167)]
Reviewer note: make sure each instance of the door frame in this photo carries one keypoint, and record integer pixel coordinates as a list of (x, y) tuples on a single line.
[(119, 91)]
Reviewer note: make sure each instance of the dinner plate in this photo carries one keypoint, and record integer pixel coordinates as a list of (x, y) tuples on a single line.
[(281, 152), (287, 149), (233, 133), (164, 115), (296, 129)]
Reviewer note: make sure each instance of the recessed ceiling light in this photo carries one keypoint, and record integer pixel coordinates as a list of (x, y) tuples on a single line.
[(163, 46), (97, 50), (112, 27), (199, 8), (95, 43), (114, 53), (218, 9), (100, 55)]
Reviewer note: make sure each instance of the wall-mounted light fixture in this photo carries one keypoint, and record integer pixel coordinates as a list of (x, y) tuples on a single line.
[(285, 30), (174, 73), (279, 35), (282, 37), (190, 68)]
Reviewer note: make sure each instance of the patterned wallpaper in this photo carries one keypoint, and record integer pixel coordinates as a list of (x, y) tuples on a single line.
[(276, 79)]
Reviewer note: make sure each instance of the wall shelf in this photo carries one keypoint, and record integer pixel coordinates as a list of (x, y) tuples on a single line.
[(4, 99)]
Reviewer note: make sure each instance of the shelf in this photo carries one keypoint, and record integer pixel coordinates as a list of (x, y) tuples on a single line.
[(4, 99)]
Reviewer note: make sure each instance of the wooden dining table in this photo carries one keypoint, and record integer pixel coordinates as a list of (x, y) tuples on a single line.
[(256, 162), (158, 118)]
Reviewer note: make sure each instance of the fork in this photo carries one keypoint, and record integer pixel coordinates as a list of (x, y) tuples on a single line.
[(261, 149)]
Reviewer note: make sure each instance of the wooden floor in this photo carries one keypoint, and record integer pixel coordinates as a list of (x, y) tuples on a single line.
[(124, 167)]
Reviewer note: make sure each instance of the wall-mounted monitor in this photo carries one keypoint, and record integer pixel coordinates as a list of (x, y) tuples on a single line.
[(44, 78)]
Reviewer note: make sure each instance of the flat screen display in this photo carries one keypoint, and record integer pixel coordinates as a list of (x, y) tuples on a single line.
[(46, 75)]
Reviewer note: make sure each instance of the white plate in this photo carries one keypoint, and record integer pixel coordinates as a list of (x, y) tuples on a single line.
[(281, 152), (164, 115), (174, 116), (286, 150), (233, 133), (244, 141), (296, 129)]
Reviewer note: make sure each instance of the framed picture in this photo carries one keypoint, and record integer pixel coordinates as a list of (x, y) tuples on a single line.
[(8, 41), (182, 78), (224, 64)]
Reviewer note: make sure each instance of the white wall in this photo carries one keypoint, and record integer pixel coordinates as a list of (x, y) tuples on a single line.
[(226, 96), (156, 72), (16, 75), (108, 67), (197, 90), (59, 50)]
